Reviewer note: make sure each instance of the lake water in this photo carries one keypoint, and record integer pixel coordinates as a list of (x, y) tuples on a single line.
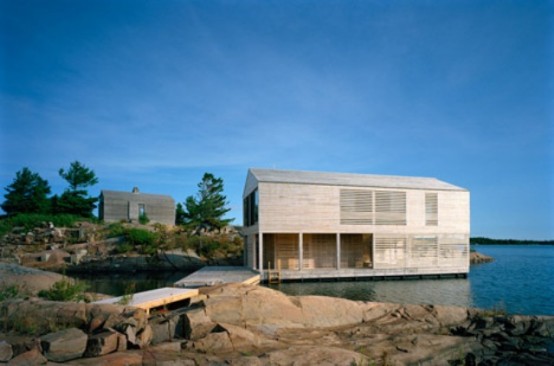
[(520, 281)]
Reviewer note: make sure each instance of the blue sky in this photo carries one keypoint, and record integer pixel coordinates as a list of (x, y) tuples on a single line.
[(155, 93)]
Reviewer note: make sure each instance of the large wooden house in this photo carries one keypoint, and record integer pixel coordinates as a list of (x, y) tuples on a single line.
[(130, 206), (308, 225)]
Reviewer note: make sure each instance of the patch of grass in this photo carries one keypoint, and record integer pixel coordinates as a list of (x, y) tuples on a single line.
[(25, 325), (128, 295), (64, 290)]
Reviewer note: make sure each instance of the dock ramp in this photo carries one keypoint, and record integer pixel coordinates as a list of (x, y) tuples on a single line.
[(218, 275)]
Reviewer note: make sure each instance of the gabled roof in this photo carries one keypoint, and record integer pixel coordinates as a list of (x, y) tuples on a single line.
[(349, 179), (130, 196)]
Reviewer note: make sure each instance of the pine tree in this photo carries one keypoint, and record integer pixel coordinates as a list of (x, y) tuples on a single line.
[(180, 214), (75, 200), (206, 210), (27, 194)]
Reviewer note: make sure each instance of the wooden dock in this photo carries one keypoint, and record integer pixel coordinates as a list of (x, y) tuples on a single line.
[(217, 275), (152, 299)]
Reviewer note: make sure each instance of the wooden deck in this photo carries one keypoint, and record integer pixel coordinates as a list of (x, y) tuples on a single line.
[(217, 275), (359, 273), (154, 298)]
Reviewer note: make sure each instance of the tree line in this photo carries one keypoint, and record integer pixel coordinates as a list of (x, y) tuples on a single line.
[(29, 194), (490, 241)]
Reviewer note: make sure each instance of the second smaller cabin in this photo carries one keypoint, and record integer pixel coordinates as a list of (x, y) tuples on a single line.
[(131, 206)]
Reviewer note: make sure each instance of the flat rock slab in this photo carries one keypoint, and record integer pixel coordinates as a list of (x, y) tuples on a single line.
[(128, 358), (154, 298), (30, 279), (218, 275)]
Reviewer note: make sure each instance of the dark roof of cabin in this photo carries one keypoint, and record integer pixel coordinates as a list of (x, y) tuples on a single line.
[(350, 179)]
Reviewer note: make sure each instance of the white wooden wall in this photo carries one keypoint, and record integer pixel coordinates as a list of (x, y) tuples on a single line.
[(304, 210)]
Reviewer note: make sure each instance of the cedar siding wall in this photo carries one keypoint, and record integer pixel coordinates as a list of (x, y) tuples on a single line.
[(116, 206), (314, 230), (293, 208)]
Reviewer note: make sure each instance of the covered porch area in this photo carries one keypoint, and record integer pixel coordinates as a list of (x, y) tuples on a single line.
[(314, 252)]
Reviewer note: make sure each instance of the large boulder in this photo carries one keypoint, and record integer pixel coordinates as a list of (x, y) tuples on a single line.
[(166, 328), (65, 345), (252, 306), (213, 342), (242, 339), (197, 324), (450, 315), (324, 312), (103, 343), (29, 358), (6, 351), (39, 316)]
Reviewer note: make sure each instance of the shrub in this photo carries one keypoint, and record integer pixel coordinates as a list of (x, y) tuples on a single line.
[(203, 245), (116, 229), (32, 220), (123, 247), (146, 239), (4, 227), (64, 290), (141, 237), (9, 292), (143, 219)]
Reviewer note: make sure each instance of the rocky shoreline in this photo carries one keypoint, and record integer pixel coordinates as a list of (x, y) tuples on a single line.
[(254, 325), (479, 258)]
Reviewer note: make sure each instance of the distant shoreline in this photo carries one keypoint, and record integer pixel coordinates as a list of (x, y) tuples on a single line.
[(490, 241)]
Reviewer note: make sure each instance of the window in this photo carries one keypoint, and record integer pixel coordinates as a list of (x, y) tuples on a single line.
[(365, 207), (431, 209), (390, 208), (250, 209), (356, 207)]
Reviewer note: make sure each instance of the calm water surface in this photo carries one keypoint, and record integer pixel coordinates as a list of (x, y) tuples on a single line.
[(520, 281)]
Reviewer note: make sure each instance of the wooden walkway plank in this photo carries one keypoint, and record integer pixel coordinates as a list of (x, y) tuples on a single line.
[(154, 298), (217, 275)]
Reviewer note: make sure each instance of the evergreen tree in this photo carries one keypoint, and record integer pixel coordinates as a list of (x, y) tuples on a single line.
[(206, 210), (75, 200), (27, 194), (180, 214)]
